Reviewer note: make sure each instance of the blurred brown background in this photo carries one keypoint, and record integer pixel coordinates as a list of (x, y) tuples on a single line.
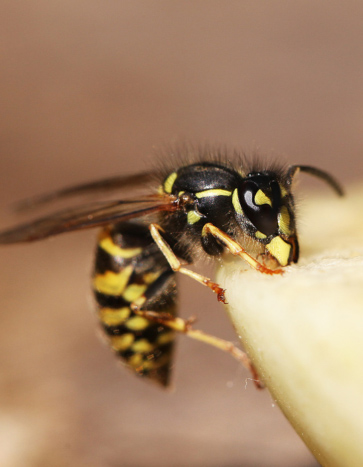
[(87, 90)]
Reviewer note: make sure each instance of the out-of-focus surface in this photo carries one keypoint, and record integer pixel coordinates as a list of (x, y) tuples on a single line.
[(87, 89), (304, 333)]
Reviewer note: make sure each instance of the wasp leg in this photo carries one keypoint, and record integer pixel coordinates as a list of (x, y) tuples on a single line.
[(236, 249), (175, 264), (185, 327)]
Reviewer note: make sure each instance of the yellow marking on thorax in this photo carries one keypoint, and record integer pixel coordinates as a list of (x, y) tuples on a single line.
[(112, 283), (114, 317), (107, 244), (262, 198), (279, 250), (169, 182), (120, 343), (236, 204), (193, 217), (137, 323), (133, 292), (284, 221), (213, 192), (142, 346), (259, 234)]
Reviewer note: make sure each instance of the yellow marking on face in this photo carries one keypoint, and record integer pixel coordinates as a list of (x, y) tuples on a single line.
[(137, 323), (216, 192), (161, 190), (259, 234), (142, 346), (150, 277), (114, 317), (111, 248), (284, 221), (279, 250), (135, 360), (112, 283), (134, 291), (262, 198), (236, 204), (193, 217), (181, 193), (283, 191), (120, 343), (169, 182), (165, 338)]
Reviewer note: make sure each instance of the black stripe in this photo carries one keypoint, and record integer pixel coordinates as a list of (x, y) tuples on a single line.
[(110, 301), (159, 352)]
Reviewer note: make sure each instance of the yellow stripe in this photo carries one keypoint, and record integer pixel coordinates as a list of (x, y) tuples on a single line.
[(137, 323), (236, 204), (135, 360), (133, 292), (259, 234), (159, 362), (262, 198), (112, 249), (114, 317), (279, 250), (193, 217), (142, 346), (150, 277), (169, 182), (120, 343), (216, 192), (112, 283), (165, 338), (139, 302), (284, 221)]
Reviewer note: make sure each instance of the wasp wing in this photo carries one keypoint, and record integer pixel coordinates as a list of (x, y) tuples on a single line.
[(99, 186), (87, 216)]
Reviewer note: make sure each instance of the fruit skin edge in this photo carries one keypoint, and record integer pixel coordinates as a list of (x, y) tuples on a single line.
[(303, 330)]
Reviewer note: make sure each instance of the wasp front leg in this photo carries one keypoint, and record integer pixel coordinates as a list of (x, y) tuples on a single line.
[(176, 265), (236, 249)]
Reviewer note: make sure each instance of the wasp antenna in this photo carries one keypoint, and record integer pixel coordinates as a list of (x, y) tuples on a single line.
[(329, 179)]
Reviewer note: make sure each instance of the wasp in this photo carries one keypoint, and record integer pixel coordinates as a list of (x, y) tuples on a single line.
[(209, 206)]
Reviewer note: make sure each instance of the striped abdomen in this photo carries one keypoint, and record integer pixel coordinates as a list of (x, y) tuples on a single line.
[(131, 269)]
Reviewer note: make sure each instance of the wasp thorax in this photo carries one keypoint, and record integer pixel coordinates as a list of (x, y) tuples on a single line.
[(260, 199)]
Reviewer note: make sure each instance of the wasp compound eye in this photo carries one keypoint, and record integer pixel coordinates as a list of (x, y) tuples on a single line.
[(260, 199)]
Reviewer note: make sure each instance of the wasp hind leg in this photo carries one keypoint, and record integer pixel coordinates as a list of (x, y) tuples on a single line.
[(185, 326)]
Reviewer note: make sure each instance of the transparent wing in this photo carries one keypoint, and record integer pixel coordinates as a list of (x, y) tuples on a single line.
[(87, 216), (95, 187)]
